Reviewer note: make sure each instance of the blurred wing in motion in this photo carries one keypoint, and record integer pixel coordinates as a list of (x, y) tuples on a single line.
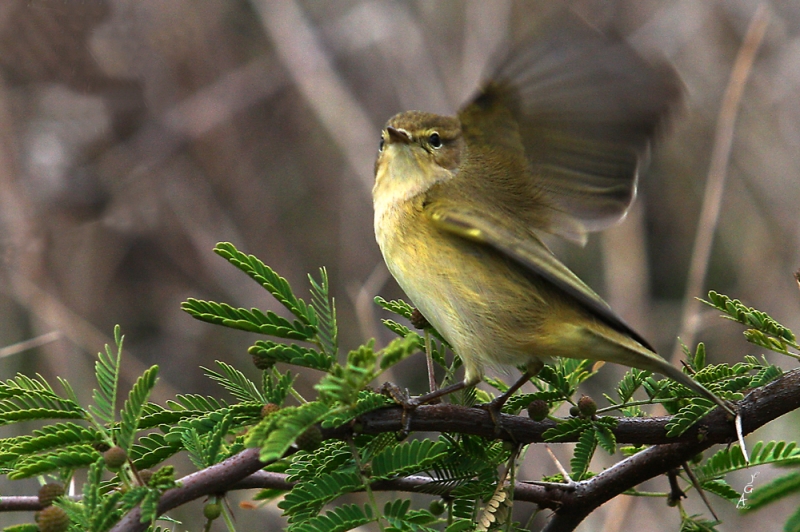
[(585, 106), (530, 254)]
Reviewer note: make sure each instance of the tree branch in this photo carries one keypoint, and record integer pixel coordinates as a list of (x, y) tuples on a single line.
[(571, 506)]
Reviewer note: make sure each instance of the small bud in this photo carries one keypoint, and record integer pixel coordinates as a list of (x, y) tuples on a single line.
[(538, 410), (145, 475), (310, 440), (586, 406), (100, 446), (269, 408), (53, 519), (573, 411), (212, 510), (418, 320), (115, 457), (696, 459), (50, 492), (262, 362), (436, 507)]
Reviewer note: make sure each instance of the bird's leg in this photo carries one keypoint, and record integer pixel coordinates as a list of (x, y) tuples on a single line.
[(495, 406), (410, 404)]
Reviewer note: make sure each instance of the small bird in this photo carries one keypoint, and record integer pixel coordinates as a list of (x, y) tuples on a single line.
[(551, 143)]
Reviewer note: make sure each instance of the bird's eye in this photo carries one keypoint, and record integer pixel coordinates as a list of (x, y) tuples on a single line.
[(380, 145), (435, 140)]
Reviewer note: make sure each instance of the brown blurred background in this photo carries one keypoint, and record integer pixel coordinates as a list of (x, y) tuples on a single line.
[(134, 135)]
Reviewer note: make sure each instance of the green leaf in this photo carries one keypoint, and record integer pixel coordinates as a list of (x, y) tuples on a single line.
[(407, 458), (688, 416), (276, 386), (398, 306), (333, 455), (399, 349), (604, 434), (323, 305), (567, 430), (266, 277), (726, 461), (460, 525), (721, 488), (252, 320), (132, 409), (25, 399), (307, 498), (556, 378), (367, 401), (631, 381), (151, 450), (340, 519), (292, 354), (47, 438), (517, 402), (107, 373), (584, 450), (737, 311), (343, 383), (236, 383), (72, 456), (213, 451), (277, 432)]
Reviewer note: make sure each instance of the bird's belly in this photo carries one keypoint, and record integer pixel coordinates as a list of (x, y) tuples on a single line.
[(483, 304)]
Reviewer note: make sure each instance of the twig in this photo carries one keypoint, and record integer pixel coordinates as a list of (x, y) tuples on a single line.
[(715, 184), (760, 406)]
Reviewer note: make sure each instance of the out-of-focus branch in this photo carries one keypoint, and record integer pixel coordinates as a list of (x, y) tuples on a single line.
[(715, 183), (757, 409), (312, 70)]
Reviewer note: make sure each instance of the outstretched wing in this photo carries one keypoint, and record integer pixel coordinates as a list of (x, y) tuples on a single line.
[(585, 106), (530, 254)]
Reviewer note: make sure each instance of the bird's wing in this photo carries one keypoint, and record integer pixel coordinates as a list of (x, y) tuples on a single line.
[(585, 106), (529, 253)]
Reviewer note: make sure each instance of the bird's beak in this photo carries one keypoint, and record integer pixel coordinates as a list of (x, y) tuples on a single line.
[(398, 135)]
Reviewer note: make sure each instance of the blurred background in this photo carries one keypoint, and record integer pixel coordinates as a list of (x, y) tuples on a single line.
[(135, 134)]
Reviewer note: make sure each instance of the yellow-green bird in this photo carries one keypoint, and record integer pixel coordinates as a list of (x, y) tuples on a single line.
[(551, 143)]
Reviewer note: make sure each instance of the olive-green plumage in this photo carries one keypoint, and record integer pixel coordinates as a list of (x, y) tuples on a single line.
[(550, 144)]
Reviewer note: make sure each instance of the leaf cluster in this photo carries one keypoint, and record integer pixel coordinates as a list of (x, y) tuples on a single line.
[(470, 478)]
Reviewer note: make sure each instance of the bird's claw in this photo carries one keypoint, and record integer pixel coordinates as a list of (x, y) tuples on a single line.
[(495, 409), (409, 404)]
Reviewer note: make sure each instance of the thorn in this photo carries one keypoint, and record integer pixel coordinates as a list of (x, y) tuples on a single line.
[(740, 437)]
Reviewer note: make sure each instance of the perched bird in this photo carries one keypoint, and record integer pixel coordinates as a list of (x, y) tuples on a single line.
[(551, 143)]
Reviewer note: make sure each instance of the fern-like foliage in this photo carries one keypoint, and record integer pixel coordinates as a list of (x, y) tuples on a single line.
[(688, 416), (323, 304), (731, 459), (276, 433), (133, 407), (766, 332), (271, 281), (268, 413), (236, 383), (306, 499), (292, 354), (25, 399), (367, 401), (107, 370), (252, 320), (275, 387), (341, 519), (407, 458)]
